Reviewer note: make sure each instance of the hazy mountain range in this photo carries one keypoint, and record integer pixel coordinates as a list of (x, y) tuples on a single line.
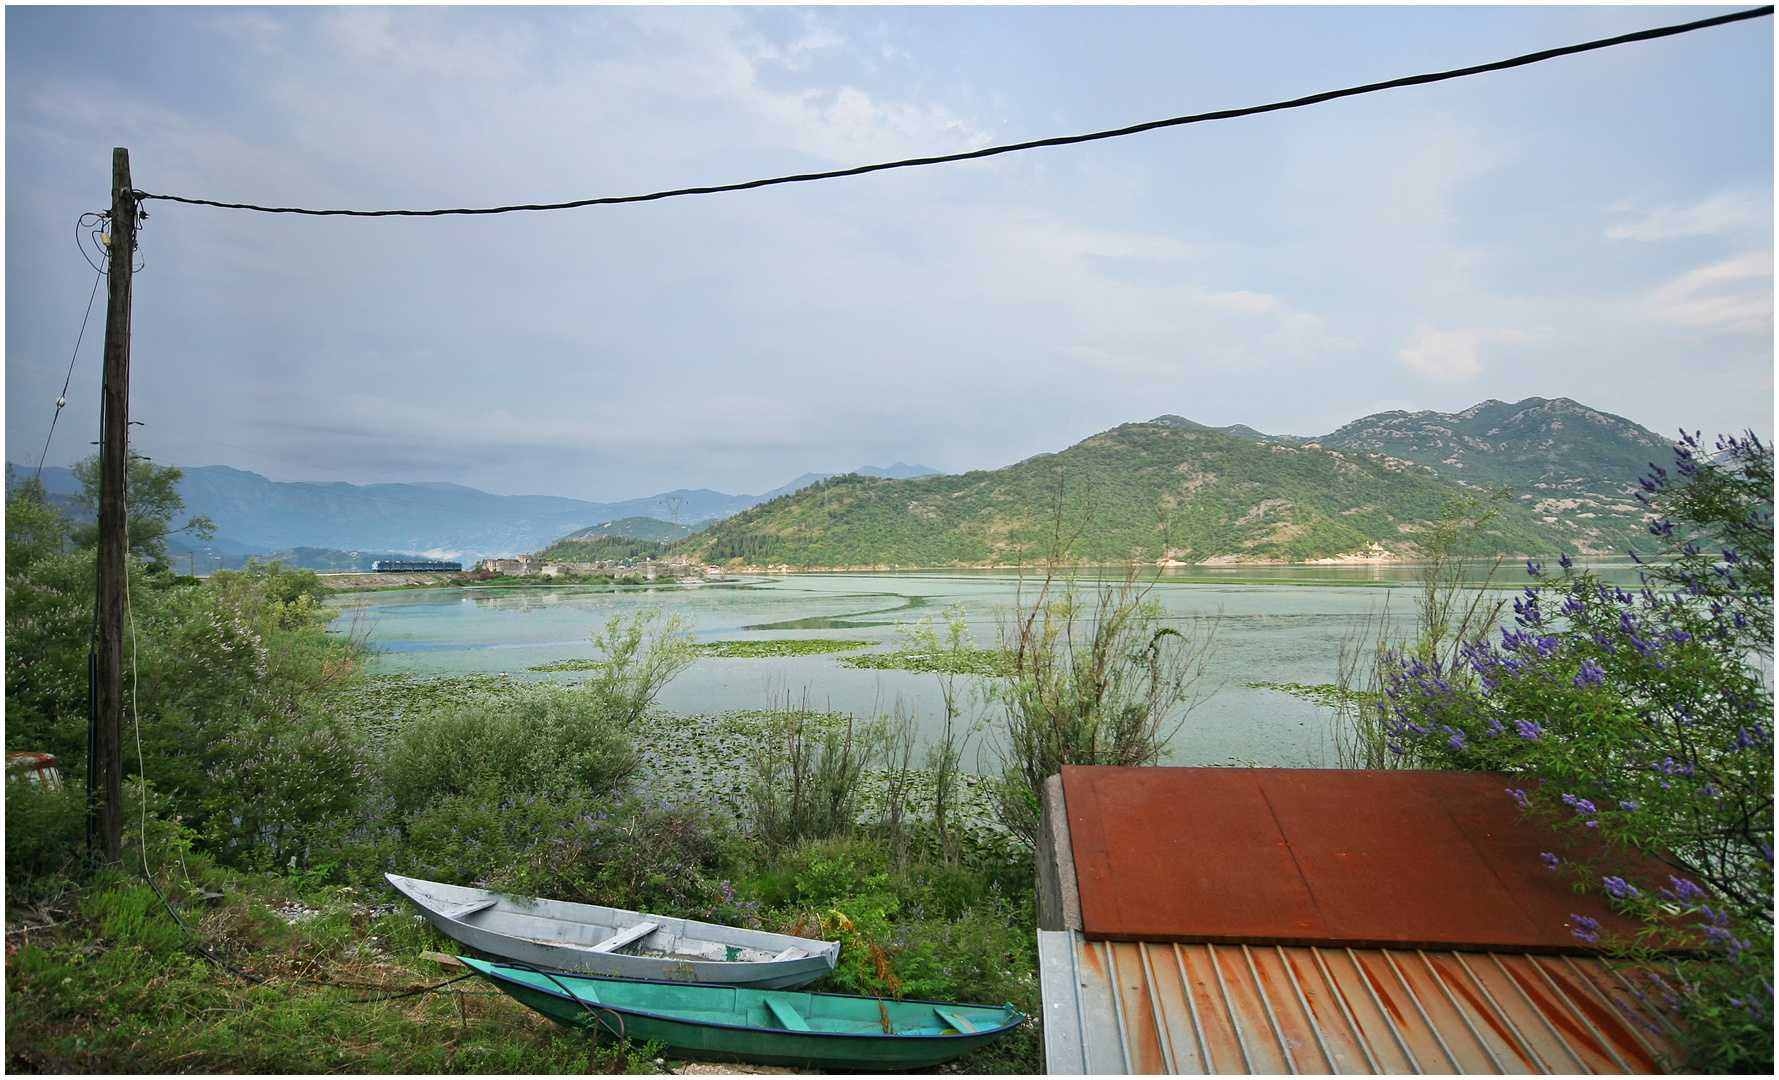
[(1166, 485), (340, 525), (1173, 488)]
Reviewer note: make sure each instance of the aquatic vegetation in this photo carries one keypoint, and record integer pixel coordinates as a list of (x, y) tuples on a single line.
[(989, 663), (778, 647), (571, 664)]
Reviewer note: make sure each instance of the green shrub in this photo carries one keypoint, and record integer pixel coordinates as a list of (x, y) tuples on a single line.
[(45, 837), (220, 674), (521, 841), (536, 739), (674, 859), (639, 854), (930, 931), (274, 782), (805, 777)]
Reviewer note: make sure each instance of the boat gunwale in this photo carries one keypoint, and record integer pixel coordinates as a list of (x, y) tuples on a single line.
[(769, 968), (632, 1011)]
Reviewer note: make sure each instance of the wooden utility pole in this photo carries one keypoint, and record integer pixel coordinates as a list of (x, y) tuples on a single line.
[(106, 792)]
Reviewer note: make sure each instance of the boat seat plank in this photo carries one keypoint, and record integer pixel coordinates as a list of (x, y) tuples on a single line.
[(626, 936), (787, 1015), (467, 909), (952, 1019), (792, 953)]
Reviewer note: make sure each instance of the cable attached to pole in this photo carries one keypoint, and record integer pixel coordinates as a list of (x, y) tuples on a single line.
[(992, 151)]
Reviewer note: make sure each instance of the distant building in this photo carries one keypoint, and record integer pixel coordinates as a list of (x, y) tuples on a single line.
[(523, 566), (532, 566)]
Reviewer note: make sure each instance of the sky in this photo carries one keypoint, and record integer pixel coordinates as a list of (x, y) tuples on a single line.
[(1597, 227)]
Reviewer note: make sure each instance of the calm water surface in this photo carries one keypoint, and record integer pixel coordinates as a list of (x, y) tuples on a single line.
[(1275, 624)]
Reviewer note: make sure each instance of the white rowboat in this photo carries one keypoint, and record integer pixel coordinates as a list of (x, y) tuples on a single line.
[(556, 935)]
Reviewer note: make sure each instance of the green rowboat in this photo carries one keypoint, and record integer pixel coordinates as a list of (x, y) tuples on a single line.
[(765, 1027)]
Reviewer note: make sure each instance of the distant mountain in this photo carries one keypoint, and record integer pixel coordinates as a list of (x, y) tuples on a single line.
[(1575, 467), (255, 516), (634, 528), (1140, 492), (201, 558), (898, 471)]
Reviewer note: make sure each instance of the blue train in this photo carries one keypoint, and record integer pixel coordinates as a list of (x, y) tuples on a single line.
[(391, 566)]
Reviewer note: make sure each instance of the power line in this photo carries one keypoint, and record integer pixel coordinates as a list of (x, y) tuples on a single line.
[(62, 398), (1063, 140)]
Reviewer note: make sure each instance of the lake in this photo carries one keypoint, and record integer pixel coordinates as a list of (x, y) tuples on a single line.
[(1272, 624)]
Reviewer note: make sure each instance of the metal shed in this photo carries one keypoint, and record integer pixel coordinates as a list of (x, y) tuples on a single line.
[(1302, 920)]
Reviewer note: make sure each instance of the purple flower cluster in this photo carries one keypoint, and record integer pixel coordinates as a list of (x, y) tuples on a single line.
[(1592, 674)]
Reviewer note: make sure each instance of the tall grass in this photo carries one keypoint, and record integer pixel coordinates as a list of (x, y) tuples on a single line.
[(1097, 676), (1452, 607), (806, 775)]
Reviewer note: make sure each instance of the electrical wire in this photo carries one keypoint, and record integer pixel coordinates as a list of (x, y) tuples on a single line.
[(62, 398), (94, 226), (433, 989), (1064, 140)]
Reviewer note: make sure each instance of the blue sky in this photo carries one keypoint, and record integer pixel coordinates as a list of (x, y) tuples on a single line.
[(1597, 227)]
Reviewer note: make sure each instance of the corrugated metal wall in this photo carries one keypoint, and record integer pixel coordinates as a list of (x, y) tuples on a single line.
[(1139, 1007)]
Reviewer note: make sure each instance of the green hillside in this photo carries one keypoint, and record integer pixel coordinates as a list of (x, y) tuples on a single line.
[(616, 541), (1139, 492), (1575, 467)]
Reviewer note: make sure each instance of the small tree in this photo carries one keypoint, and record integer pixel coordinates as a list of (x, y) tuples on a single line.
[(639, 655), (806, 775), (154, 501), (1094, 678), (944, 756)]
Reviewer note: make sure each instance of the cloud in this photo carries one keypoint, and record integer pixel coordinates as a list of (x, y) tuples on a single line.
[(1733, 296), (424, 43), (1722, 213), (1248, 303), (1453, 355), (1301, 333), (1411, 195), (1111, 363), (849, 125)]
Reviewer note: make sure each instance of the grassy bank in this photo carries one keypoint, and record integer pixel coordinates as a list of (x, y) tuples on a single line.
[(334, 972)]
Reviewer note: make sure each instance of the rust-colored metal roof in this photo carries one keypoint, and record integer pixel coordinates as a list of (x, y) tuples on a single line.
[(1143, 1007), (1391, 859)]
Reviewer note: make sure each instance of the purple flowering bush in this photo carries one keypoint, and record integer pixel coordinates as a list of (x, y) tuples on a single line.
[(1643, 718)]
